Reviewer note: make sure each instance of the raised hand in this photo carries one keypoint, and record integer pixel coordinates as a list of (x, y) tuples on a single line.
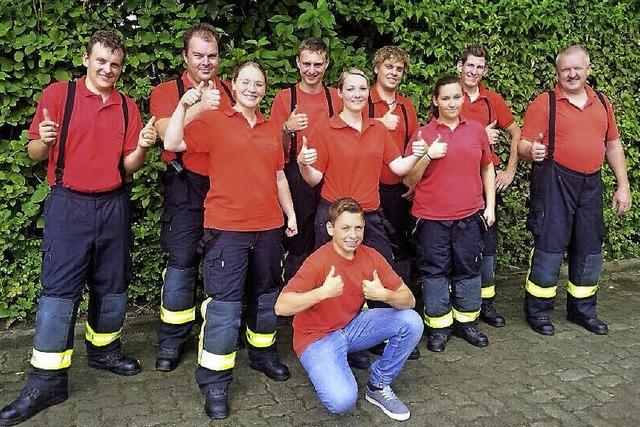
[(192, 96), (437, 149), (148, 134), (492, 132), (390, 120), (373, 289), (538, 149), (48, 129), (333, 285), (419, 146), (210, 97), (297, 121), (307, 156)]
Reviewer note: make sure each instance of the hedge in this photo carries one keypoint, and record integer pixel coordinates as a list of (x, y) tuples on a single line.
[(41, 42)]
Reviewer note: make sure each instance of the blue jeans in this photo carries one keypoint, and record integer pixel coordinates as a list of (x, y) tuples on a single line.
[(326, 359)]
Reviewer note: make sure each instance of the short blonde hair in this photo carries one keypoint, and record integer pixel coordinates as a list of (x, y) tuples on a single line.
[(391, 53), (351, 72)]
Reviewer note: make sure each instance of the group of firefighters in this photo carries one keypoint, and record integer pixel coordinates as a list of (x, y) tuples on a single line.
[(332, 168)]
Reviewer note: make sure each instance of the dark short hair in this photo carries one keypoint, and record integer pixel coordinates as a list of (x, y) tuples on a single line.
[(204, 31), (108, 40), (345, 204), (442, 81), (391, 53), (475, 50), (314, 44)]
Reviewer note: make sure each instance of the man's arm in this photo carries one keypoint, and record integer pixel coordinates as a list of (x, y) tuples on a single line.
[(505, 178), (616, 159), (38, 150), (401, 298), (290, 302), (286, 203), (489, 184), (146, 139)]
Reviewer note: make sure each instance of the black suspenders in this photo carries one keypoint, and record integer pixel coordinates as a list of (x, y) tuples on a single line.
[(372, 115), (180, 86), (64, 132), (489, 110), (293, 150), (552, 120)]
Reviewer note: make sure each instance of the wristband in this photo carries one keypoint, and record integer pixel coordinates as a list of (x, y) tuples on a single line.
[(426, 153)]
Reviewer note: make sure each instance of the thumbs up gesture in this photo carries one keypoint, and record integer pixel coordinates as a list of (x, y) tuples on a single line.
[(538, 149), (492, 132), (390, 120), (419, 146), (192, 96), (373, 289), (210, 99), (48, 129), (307, 156), (333, 286), (437, 149), (148, 135), (297, 121)]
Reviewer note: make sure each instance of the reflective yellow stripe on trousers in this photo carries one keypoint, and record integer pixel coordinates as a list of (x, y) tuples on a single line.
[(178, 317), (489, 291), (581, 291), (100, 339), (260, 340), (465, 316), (539, 291), (51, 361), (439, 322)]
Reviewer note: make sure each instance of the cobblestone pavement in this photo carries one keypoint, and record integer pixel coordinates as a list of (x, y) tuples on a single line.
[(574, 378)]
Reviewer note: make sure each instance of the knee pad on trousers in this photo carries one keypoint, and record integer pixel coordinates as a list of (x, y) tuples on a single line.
[(545, 268), (487, 270), (105, 318), (264, 334), (435, 295), (53, 340), (466, 299), (178, 296), (587, 272), (219, 334)]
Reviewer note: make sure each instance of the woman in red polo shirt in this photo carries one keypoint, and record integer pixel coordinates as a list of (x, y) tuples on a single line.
[(243, 231), (452, 216)]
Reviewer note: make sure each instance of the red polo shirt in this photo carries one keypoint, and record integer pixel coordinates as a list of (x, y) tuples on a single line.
[(314, 105), (332, 314), (451, 187), (487, 107), (163, 102), (95, 140), (402, 134), (351, 161), (242, 165), (580, 132)]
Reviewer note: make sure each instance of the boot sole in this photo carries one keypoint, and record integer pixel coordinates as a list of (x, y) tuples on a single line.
[(115, 371)]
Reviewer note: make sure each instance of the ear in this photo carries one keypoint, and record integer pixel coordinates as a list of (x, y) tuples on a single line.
[(326, 63), (330, 228), (434, 101), (184, 56), (376, 69), (298, 62), (459, 66), (85, 59)]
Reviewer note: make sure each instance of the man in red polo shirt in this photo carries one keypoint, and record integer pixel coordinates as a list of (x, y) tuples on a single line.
[(186, 184), (567, 133), (92, 136), (488, 108), (326, 295), (296, 110)]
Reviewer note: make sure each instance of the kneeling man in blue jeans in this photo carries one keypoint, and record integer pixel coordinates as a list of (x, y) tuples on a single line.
[(326, 297)]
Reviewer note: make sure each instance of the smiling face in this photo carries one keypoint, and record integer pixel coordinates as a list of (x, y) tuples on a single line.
[(249, 87), (201, 59), (354, 92), (389, 74), (312, 66), (449, 101), (472, 71), (346, 233), (104, 66), (573, 68)]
